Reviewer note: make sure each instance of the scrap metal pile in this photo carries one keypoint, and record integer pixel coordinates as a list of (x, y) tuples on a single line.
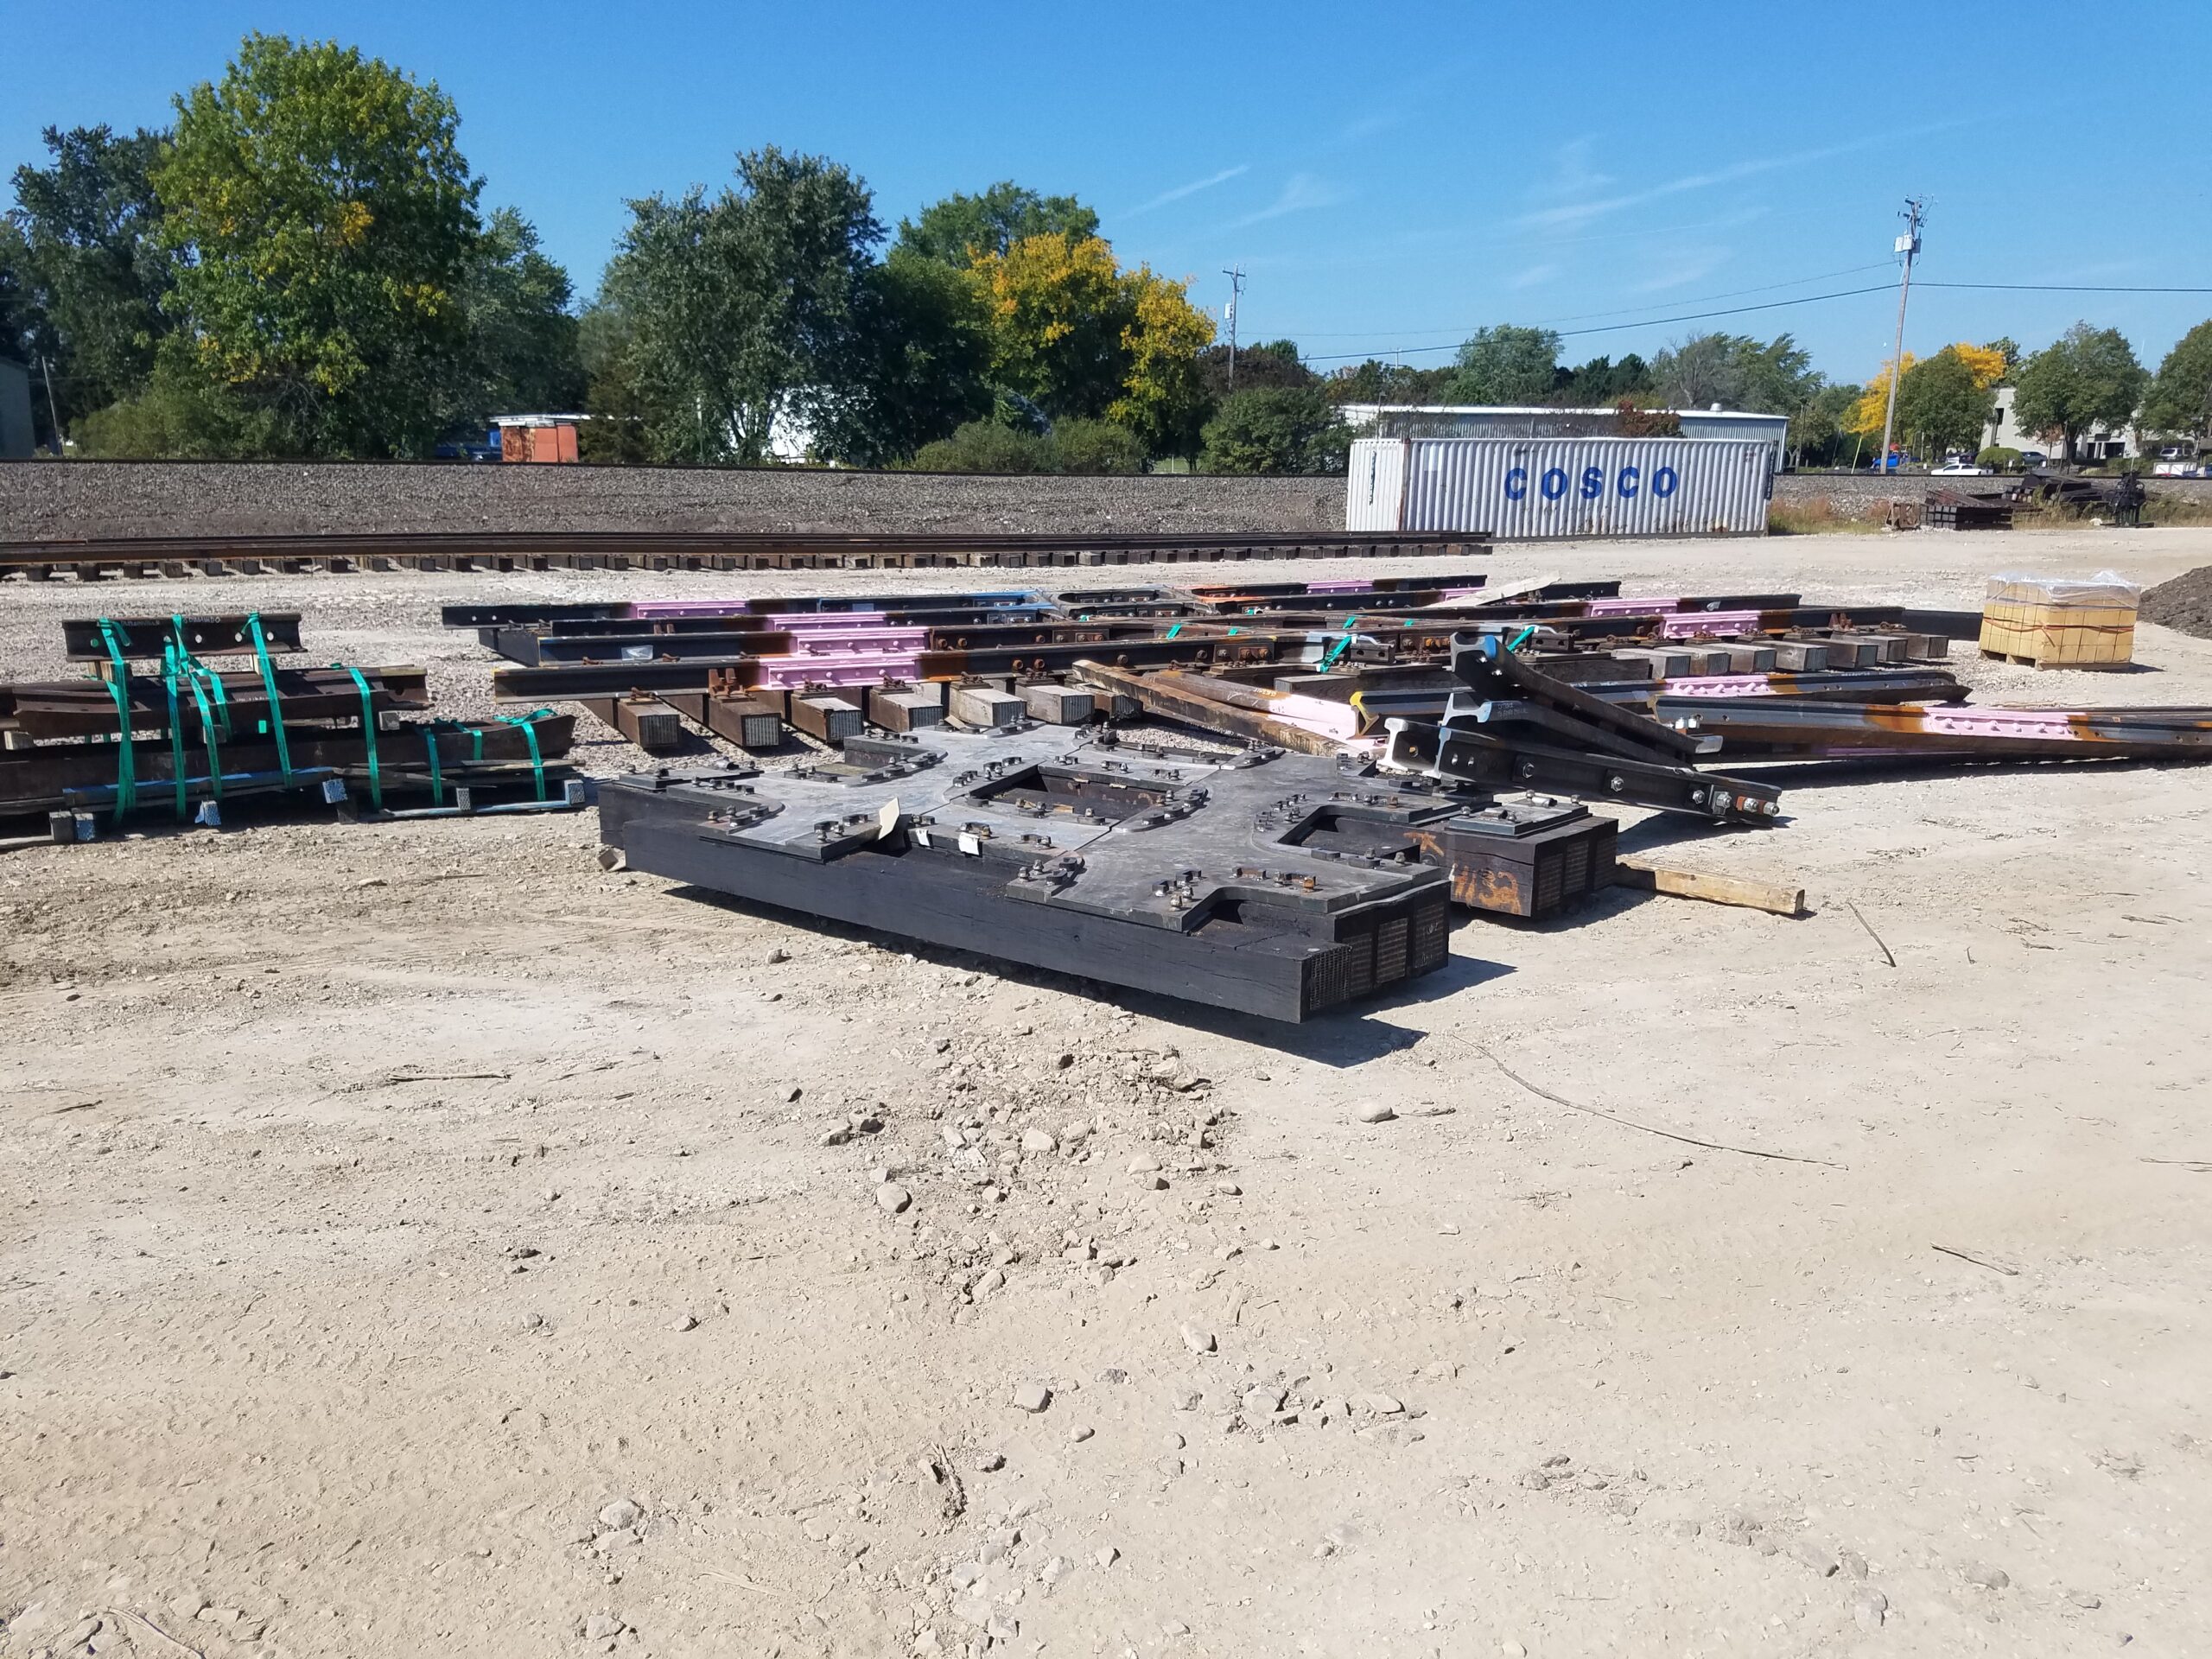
[(970, 778), (158, 729)]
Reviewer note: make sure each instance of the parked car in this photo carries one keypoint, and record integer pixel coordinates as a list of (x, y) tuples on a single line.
[(1961, 469), (2033, 458)]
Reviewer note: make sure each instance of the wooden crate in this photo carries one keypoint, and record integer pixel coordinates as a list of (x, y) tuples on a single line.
[(2024, 625)]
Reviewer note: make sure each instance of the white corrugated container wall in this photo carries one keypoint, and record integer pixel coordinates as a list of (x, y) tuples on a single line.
[(1543, 489)]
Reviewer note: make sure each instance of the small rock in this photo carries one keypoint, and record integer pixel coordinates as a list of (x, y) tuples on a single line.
[(1227, 1189), (84, 1633), (778, 955), (993, 1280), (1512, 1650), (1383, 1405), (600, 1626), (836, 1134), (1373, 1111), (990, 1463), (2084, 1600), (971, 1610), (1823, 1561), (1170, 1467), (1106, 1556), (1852, 1563), (610, 858), (1988, 1577), (1868, 1609), (1038, 1141), (620, 1515), (1144, 1163), (1081, 1433), (1031, 1396), (1198, 1341), (1263, 1401), (892, 1197), (373, 881), (688, 1322)]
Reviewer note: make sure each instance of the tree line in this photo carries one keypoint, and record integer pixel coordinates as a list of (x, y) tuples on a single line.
[(304, 265)]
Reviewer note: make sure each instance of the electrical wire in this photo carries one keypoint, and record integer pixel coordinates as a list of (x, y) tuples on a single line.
[(1773, 305), (1648, 322)]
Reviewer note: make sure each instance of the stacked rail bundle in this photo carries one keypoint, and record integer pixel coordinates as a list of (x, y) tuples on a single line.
[(159, 729)]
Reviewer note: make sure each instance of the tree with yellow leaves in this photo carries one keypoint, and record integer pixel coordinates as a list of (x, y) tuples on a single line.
[(1080, 338), (1163, 397)]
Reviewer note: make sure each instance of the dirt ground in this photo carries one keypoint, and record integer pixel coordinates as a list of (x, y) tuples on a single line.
[(413, 1240)]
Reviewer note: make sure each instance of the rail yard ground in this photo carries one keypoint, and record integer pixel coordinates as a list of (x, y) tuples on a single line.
[(415, 1240)]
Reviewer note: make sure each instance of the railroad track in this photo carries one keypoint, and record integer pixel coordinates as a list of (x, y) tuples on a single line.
[(659, 550)]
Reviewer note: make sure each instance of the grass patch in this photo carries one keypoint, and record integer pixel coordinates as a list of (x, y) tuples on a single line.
[(1817, 516), (2160, 511)]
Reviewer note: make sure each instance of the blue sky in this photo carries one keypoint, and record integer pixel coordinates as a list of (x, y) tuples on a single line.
[(1389, 178)]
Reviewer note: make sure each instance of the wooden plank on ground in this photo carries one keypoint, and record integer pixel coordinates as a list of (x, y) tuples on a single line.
[(1714, 889)]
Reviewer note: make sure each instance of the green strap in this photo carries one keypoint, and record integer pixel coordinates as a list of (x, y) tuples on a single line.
[(275, 703), (437, 776), (1177, 629), (1343, 644), (369, 735), (529, 724), (170, 668), (126, 771), (1521, 638)]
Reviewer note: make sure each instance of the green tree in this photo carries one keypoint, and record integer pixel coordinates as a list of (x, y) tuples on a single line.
[(1736, 371), (93, 273), (1271, 363), (522, 338), (1943, 404), (1601, 383), (1377, 382), (1276, 430), (1507, 364), (2180, 397), (743, 306), (1818, 434), (2085, 377), (960, 229), (618, 432), (326, 226), (915, 367)]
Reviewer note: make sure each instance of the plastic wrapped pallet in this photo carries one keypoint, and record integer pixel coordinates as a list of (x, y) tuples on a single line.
[(2061, 621)]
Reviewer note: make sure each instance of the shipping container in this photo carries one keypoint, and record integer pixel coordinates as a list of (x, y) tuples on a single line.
[(1524, 489)]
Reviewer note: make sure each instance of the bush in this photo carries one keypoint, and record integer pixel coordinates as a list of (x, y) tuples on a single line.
[(1081, 446), (179, 416), (986, 447), (2002, 457), (1276, 430), (1072, 446)]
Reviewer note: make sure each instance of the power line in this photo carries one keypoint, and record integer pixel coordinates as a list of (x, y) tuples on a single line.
[(2062, 288), (1648, 323), (1770, 305), (1618, 311)]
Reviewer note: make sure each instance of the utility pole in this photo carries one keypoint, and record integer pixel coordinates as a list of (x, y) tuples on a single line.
[(53, 417), (1235, 275), (1909, 246)]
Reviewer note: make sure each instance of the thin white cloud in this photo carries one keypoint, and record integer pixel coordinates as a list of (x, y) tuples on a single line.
[(1682, 269), (1191, 189), (1304, 193), (1574, 215), (1534, 274)]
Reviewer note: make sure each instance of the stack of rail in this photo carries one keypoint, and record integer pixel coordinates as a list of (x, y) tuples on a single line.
[(159, 729)]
